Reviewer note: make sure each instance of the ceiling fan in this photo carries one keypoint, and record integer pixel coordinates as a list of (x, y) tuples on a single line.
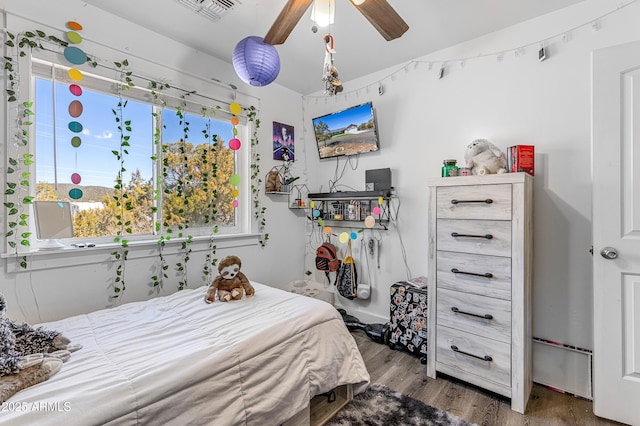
[(378, 12)]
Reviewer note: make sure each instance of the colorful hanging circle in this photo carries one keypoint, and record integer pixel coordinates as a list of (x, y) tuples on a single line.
[(74, 37), (376, 210), (75, 74), (234, 144), (369, 222), (234, 121), (312, 204), (316, 213), (235, 204), (72, 25), (327, 230), (76, 141), (380, 201), (235, 193), (75, 55), (234, 180), (344, 237), (75, 127), (75, 193), (235, 108), (75, 178), (353, 235), (75, 109), (75, 90)]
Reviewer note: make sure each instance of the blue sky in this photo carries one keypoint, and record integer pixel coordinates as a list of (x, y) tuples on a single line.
[(93, 159), (354, 115)]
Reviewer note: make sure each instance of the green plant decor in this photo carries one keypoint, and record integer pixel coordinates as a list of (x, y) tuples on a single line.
[(181, 192), (120, 194), (259, 211), (209, 184), (17, 188), (157, 89)]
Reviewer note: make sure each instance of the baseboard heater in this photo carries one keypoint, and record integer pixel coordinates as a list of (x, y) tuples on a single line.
[(547, 353)]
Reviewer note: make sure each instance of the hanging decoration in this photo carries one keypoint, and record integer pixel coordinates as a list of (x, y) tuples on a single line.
[(256, 62), (332, 84), (442, 67), (75, 56), (234, 144)]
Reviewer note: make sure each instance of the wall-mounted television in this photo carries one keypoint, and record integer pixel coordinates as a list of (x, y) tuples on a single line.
[(347, 132)]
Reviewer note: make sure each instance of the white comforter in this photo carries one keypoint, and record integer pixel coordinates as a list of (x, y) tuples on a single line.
[(177, 360)]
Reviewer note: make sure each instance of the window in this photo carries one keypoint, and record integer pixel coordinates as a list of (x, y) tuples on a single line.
[(171, 177)]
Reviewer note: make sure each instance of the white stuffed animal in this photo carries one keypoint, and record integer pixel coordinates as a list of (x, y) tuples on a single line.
[(483, 157)]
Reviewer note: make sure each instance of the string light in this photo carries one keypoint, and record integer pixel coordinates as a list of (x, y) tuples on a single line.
[(519, 51)]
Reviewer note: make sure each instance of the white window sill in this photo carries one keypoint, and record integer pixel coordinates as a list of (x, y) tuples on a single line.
[(72, 256)]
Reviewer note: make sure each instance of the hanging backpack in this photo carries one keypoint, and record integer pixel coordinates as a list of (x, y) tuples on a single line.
[(327, 259), (347, 279)]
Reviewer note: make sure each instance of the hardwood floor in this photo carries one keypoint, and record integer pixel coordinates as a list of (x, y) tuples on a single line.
[(403, 372)]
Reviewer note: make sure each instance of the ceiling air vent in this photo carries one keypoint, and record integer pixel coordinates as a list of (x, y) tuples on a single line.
[(212, 9)]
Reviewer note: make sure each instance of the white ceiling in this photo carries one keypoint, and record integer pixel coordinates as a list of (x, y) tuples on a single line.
[(360, 49)]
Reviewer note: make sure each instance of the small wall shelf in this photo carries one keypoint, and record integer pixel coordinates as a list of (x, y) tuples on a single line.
[(350, 209), (298, 196)]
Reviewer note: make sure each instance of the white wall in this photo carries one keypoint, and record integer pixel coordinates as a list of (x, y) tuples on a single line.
[(515, 100), (59, 285)]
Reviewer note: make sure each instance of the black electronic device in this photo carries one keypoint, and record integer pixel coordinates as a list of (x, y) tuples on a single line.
[(378, 179)]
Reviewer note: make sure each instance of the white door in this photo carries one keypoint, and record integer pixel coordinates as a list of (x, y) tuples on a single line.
[(616, 232)]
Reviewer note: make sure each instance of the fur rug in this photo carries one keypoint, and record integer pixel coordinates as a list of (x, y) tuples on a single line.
[(381, 406)]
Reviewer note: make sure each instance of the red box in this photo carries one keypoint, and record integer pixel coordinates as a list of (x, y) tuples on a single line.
[(520, 158)]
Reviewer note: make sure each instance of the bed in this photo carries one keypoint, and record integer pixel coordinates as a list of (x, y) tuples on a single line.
[(177, 360)]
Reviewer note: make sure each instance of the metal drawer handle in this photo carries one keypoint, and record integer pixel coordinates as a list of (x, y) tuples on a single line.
[(482, 358), (487, 236), (487, 201), (486, 274), (458, 311)]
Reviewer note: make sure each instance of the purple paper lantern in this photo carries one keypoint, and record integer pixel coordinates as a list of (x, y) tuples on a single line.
[(256, 62)]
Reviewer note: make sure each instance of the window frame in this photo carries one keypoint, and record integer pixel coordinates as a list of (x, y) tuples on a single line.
[(94, 81)]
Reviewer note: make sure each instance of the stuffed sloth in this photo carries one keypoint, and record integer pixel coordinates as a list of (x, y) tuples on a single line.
[(230, 284), (483, 157), (28, 355)]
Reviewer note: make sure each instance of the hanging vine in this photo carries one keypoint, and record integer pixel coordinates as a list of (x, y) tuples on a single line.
[(259, 210), (183, 179), (120, 195), (156, 91), (209, 185), (17, 189)]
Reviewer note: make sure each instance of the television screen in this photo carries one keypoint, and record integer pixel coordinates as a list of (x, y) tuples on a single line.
[(348, 132)]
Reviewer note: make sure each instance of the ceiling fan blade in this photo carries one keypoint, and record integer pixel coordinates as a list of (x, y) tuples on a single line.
[(286, 21), (383, 17)]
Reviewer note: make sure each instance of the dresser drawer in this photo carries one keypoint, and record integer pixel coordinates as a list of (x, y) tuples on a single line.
[(474, 202), (472, 312), (497, 285), (497, 370), (489, 237)]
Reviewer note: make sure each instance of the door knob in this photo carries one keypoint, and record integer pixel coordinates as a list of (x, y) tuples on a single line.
[(609, 253)]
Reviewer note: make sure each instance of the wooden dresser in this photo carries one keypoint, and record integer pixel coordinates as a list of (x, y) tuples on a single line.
[(480, 263)]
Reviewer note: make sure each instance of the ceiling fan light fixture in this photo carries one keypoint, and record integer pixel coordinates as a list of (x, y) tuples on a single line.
[(323, 12)]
